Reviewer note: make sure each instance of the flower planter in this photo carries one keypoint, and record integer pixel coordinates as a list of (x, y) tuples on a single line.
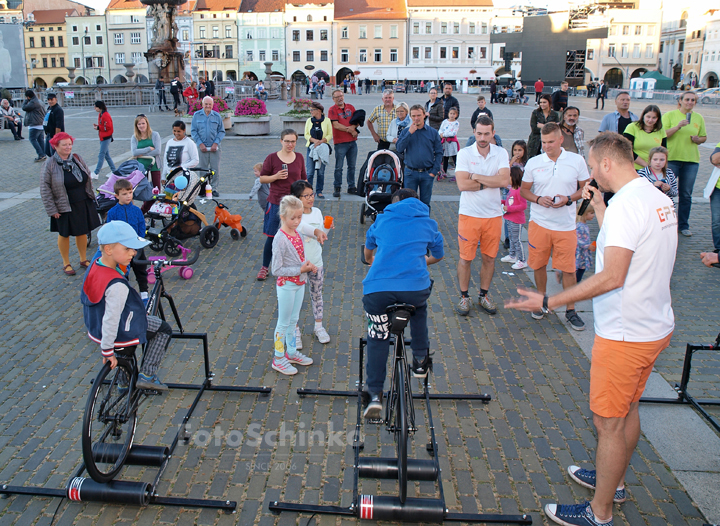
[(251, 125), (295, 123), (188, 124), (227, 121)]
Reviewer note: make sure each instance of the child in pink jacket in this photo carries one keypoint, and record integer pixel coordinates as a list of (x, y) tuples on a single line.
[(514, 206)]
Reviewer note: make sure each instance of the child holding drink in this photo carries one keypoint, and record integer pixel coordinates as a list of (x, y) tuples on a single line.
[(314, 231)]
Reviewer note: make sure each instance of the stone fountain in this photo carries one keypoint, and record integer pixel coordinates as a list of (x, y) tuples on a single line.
[(164, 59)]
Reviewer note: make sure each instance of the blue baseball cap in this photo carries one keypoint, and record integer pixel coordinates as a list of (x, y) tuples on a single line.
[(120, 232)]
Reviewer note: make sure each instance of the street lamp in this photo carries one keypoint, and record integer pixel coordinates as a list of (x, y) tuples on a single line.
[(82, 44)]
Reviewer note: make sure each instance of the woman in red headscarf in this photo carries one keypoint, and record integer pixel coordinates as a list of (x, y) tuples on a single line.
[(69, 199)]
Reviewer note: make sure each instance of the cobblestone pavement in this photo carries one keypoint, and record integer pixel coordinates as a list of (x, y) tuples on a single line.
[(507, 456)]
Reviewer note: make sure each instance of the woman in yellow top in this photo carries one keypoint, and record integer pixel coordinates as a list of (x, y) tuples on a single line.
[(685, 131), (318, 133), (645, 134)]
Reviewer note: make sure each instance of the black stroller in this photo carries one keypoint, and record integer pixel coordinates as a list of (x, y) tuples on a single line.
[(171, 222), (382, 174)]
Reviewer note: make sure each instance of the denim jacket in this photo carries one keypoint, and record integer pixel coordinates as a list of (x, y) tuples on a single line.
[(207, 129)]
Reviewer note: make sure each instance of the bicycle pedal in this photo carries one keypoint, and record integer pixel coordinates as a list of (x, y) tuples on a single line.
[(376, 421), (150, 392)]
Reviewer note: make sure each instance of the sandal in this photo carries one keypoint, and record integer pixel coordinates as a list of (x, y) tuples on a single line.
[(320, 195), (85, 264), (70, 272)]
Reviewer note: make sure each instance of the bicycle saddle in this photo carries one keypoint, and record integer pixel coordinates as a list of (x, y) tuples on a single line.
[(399, 316)]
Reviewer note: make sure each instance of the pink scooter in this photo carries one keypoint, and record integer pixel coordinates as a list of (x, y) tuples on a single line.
[(184, 272)]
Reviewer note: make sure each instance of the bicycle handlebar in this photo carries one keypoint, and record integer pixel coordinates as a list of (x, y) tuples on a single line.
[(174, 262), (362, 255)]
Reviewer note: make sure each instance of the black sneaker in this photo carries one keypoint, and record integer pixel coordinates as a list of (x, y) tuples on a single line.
[(352, 190), (336, 193), (420, 369), (574, 320), (374, 407), (215, 193)]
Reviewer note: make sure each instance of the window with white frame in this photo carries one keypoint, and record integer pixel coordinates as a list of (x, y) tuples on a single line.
[(712, 57), (137, 57), (613, 31), (378, 55), (455, 52), (261, 55), (324, 34), (296, 35), (393, 55), (638, 30), (428, 53), (623, 51), (471, 52), (416, 28), (98, 28), (456, 28), (202, 31), (363, 32), (591, 54), (310, 56), (484, 28), (443, 52), (296, 56), (119, 58), (378, 31), (393, 31), (416, 53), (216, 32), (309, 18), (689, 58), (228, 31), (649, 51), (443, 28), (483, 52), (275, 55), (75, 41), (249, 55), (636, 51), (344, 32), (134, 19), (186, 34), (99, 40), (428, 28), (626, 30), (119, 38), (611, 50), (697, 57), (76, 61), (99, 62), (135, 38), (362, 57), (471, 28), (309, 35), (344, 56), (323, 55)]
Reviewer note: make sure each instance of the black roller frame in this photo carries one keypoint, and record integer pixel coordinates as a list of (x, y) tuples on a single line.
[(684, 398), (356, 509), (207, 385)]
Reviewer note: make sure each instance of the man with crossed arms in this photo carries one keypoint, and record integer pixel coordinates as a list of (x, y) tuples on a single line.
[(634, 320)]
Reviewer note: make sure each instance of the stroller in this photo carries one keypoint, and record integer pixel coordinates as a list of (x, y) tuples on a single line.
[(134, 172), (171, 222), (380, 179)]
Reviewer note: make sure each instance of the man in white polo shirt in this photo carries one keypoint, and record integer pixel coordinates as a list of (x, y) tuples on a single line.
[(481, 170), (552, 182), (634, 319)]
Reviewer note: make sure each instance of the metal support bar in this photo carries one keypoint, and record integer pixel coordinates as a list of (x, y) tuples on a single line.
[(417, 396), (488, 518), (225, 505)]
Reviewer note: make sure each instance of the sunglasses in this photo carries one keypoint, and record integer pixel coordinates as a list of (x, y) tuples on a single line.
[(140, 115)]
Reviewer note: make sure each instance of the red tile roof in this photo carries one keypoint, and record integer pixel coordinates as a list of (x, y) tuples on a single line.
[(370, 9), (263, 6), (218, 5), (53, 16), (126, 4)]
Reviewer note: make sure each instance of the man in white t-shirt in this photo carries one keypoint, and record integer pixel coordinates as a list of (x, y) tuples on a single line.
[(481, 170), (634, 319), (552, 182)]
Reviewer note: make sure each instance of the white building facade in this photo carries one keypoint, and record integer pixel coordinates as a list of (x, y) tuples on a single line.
[(710, 71), (506, 21), (127, 40), (261, 34), (87, 49), (309, 39), (450, 40), (672, 43)]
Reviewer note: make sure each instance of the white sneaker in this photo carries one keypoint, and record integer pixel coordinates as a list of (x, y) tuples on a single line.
[(508, 259), (283, 366), (322, 335), (93, 175), (298, 338), (519, 265), (298, 358)]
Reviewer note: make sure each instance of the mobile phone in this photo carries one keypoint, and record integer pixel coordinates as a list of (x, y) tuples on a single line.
[(284, 166)]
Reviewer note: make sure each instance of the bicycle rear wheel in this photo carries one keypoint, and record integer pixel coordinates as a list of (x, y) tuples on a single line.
[(108, 424), (401, 428)]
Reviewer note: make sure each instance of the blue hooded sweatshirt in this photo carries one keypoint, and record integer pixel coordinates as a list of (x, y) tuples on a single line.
[(402, 236)]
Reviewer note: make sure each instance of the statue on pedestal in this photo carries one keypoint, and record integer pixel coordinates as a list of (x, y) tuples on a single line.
[(163, 56)]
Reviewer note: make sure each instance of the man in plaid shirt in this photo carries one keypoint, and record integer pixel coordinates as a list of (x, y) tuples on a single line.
[(573, 135), (383, 115)]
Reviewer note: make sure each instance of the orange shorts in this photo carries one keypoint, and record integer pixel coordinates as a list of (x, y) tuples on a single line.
[(542, 242), (618, 373), (479, 231)]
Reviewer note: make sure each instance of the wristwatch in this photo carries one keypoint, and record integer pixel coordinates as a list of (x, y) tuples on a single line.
[(545, 309), (569, 201)]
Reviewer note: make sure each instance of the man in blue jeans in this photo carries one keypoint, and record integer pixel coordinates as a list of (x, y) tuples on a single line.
[(423, 154), (396, 248), (345, 140)]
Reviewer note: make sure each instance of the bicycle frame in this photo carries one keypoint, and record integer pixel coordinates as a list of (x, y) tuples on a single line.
[(400, 356)]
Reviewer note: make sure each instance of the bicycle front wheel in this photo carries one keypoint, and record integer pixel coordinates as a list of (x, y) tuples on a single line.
[(108, 424), (401, 428)]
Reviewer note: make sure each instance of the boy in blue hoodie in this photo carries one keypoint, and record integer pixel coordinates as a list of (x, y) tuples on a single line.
[(127, 212), (396, 247), (114, 312)]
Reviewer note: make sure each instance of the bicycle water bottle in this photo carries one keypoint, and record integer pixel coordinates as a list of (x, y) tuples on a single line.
[(208, 191)]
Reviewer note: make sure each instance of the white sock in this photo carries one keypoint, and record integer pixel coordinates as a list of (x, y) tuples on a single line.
[(318, 325), (144, 295)]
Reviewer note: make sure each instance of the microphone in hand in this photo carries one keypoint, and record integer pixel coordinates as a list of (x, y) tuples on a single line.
[(586, 202)]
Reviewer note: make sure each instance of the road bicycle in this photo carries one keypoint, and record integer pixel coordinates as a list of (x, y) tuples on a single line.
[(110, 415)]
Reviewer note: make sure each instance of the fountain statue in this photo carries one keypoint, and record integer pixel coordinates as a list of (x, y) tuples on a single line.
[(164, 59)]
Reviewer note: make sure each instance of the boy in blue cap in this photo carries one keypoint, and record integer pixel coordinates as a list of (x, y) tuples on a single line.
[(114, 312)]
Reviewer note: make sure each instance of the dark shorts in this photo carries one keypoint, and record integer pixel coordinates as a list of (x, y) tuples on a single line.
[(271, 223)]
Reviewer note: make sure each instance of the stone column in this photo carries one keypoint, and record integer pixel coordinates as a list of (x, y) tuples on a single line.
[(268, 71), (71, 74), (129, 73)]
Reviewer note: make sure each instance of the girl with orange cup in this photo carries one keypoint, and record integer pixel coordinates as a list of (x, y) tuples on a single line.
[(314, 230)]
